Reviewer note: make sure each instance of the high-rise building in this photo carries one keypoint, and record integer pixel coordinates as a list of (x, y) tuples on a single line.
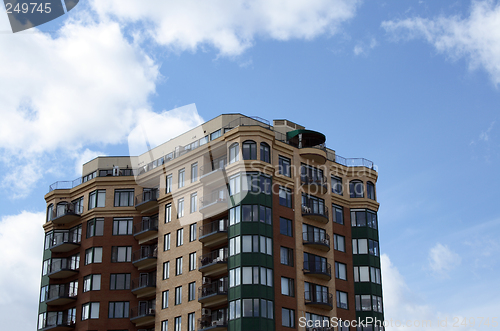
[(234, 225)]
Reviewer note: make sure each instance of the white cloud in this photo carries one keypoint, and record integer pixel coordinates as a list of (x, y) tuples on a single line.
[(442, 260), (227, 25), (476, 37), (364, 47), (84, 157), (21, 244), (485, 135)]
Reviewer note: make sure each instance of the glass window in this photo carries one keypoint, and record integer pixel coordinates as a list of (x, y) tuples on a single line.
[(178, 295), (249, 150), (194, 172), (285, 197), (164, 299), (92, 283), (181, 177), (337, 185), (192, 205), (286, 227), (164, 325), (215, 134), (234, 151), (178, 323), (288, 317), (124, 198), (192, 291), (121, 254), (95, 227), (265, 152), (97, 199), (119, 282), (338, 214), (284, 166), (192, 261), (168, 213), (340, 271), (122, 226), (180, 237), (192, 232), (370, 190), (339, 242), (166, 242), (180, 208), (119, 309), (287, 286), (342, 300), (356, 189), (286, 256), (93, 255), (90, 310), (178, 266), (191, 322), (360, 246), (166, 270), (168, 186)]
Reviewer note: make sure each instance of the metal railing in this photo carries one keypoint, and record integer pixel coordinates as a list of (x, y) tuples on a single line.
[(58, 264), (66, 209), (216, 256), (213, 227), (309, 179), (145, 252), (208, 168), (352, 162), (218, 287), (147, 195), (58, 318), (145, 280), (310, 237), (216, 318), (144, 309), (318, 267), (59, 238), (61, 291), (312, 207), (321, 298), (146, 224), (212, 198)]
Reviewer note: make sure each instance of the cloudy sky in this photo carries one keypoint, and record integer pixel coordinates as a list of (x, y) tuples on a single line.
[(412, 85)]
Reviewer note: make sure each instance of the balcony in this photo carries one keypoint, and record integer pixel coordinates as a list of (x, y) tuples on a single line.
[(310, 143), (213, 320), (214, 263), (315, 211), (314, 184), (319, 241), (319, 269), (58, 321), (145, 285), (214, 233), (213, 175), (146, 230), (144, 314), (145, 258), (61, 268), (319, 300), (147, 200), (62, 242), (59, 295), (213, 294), (214, 203), (66, 213)]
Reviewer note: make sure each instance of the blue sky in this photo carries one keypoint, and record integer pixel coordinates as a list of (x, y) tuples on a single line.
[(410, 85)]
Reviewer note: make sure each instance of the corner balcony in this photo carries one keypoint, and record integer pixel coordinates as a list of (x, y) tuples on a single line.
[(320, 241), (213, 294), (320, 270), (314, 184), (144, 314), (214, 233), (214, 204), (62, 242), (146, 230), (213, 320), (145, 285), (148, 199), (311, 144), (214, 263), (66, 214), (213, 176), (60, 268), (319, 300), (58, 321), (59, 295), (145, 258), (315, 212)]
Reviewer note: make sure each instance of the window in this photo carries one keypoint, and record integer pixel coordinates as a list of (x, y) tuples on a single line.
[(166, 270), (97, 199), (180, 237), (342, 300), (95, 227), (234, 185), (288, 317), (373, 247), (192, 205), (182, 173), (286, 256), (214, 135), (250, 275), (251, 308), (124, 198), (265, 153), (337, 185), (287, 286), (192, 291), (119, 282), (366, 302), (285, 196), (164, 325), (192, 261), (286, 227), (90, 310), (192, 232), (178, 266), (191, 322), (178, 295), (249, 150), (356, 189), (50, 212), (235, 277), (234, 215), (168, 212), (284, 166), (361, 274), (235, 309), (78, 205), (313, 205), (370, 190), (234, 246), (194, 172), (338, 214), (338, 242), (168, 184), (234, 151), (122, 226), (121, 254), (178, 323), (361, 217), (375, 275), (118, 309), (166, 242), (180, 208), (316, 263), (314, 234), (250, 244), (92, 283), (164, 299), (93, 255), (340, 271), (360, 246)]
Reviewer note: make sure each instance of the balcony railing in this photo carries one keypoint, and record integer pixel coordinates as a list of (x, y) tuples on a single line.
[(316, 238), (318, 298), (218, 287), (214, 319), (61, 291), (60, 264), (59, 238), (317, 211), (146, 252), (147, 224), (211, 167), (212, 198), (217, 256), (144, 309), (58, 318), (213, 227), (148, 195), (145, 280), (318, 268), (316, 180), (69, 211)]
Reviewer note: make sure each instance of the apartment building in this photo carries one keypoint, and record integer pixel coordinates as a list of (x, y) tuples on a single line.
[(235, 225)]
